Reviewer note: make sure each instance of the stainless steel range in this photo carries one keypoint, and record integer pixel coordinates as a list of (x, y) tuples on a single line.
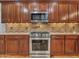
[(39, 44)]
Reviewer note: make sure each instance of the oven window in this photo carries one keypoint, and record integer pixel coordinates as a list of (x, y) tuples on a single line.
[(39, 45)]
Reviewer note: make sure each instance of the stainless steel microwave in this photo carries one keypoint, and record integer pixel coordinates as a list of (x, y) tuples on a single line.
[(39, 17)]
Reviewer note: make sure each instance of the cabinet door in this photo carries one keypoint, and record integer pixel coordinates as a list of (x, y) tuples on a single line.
[(57, 45), (43, 7), (78, 14), (73, 13), (12, 44), (10, 13), (2, 45), (70, 44), (5, 14), (24, 45), (63, 12), (15, 12), (24, 13), (77, 44), (34, 6), (53, 12)]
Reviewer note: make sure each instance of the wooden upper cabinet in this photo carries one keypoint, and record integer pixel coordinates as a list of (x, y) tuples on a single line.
[(33, 7), (73, 13), (2, 45), (63, 12), (78, 13), (57, 45), (53, 12), (43, 7), (9, 13), (40, 7), (24, 11), (14, 12)]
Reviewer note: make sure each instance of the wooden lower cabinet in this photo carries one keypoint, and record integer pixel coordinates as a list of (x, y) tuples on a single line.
[(64, 45), (57, 45), (24, 45), (2, 45), (12, 45), (77, 45), (17, 44), (70, 44)]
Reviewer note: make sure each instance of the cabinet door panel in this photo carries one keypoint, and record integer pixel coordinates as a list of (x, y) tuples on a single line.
[(2, 45), (24, 45), (63, 12), (53, 12), (70, 44), (77, 44), (12, 44), (73, 13), (33, 7), (4, 13), (10, 13), (43, 7), (57, 45), (78, 14), (24, 13), (15, 12), (17, 44)]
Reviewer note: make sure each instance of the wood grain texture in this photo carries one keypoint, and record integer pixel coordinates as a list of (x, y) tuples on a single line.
[(2, 45), (57, 45), (14, 12), (17, 44)]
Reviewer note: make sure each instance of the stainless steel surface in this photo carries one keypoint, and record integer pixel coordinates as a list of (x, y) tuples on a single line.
[(43, 40)]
